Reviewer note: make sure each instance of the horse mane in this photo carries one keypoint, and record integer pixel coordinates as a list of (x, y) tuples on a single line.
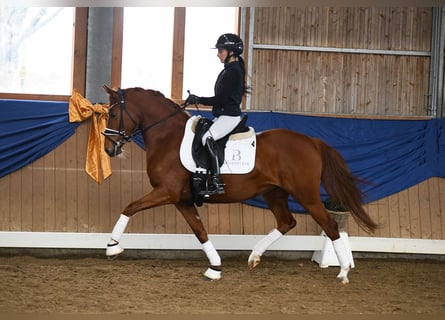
[(153, 92), (159, 94)]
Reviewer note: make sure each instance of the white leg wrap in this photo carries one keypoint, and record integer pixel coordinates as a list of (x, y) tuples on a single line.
[(212, 255), (113, 247), (119, 228), (212, 274), (342, 255), (266, 242)]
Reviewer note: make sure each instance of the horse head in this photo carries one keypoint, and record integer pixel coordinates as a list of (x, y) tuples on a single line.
[(122, 122), (137, 110)]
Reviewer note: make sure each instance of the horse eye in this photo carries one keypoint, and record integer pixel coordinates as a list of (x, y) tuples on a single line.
[(112, 114)]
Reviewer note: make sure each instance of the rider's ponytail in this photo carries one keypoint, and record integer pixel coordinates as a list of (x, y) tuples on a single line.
[(246, 88)]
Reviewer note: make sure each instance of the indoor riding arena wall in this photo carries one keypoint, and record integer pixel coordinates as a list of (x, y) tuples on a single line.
[(371, 63), (54, 194)]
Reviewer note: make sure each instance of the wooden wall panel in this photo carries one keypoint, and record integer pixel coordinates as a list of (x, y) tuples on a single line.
[(441, 211), (16, 201), (36, 191), (393, 216), (404, 214), (27, 201), (435, 200), (357, 28), (60, 187), (322, 82), (5, 208), (71, 180), (364, 83), (49, 196)]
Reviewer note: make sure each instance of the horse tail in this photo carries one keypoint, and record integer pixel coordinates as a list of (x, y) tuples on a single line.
[(341, 186)]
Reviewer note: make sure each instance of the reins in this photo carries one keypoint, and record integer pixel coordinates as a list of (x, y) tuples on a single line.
[(179, 109)]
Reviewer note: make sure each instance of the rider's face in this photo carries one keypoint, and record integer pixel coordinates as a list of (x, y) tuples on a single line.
[(222, 54)]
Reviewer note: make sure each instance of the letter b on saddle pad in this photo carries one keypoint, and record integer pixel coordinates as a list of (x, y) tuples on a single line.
[(239, 153)]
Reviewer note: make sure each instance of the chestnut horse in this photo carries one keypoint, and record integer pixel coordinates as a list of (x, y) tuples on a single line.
[(287, 163)]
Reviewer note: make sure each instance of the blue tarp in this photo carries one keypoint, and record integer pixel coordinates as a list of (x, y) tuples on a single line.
[(392, 155), (29, 130)]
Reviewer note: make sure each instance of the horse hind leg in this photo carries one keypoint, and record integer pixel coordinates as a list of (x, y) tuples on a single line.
[(277, 200), (330, 227)]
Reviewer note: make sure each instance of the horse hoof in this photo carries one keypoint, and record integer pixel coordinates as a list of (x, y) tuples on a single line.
[(253, 261), (342, 277), (344, 281), (212, 274), (113, 250)]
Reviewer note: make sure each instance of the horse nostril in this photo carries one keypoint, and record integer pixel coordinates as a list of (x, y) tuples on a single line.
[(110, 152)]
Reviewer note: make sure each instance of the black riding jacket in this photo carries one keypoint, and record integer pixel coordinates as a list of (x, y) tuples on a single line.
[(229, 90)]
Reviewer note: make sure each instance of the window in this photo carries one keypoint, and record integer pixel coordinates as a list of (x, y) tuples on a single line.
[(148, 48), (202, 29), (36, 50)]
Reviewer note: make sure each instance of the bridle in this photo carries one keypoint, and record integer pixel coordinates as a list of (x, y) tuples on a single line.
[(123, 136)]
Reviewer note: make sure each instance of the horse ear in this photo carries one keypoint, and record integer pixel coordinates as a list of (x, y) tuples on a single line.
[(109, 90)]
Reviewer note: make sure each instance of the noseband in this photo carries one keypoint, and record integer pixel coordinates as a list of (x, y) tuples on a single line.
[(123, 136)]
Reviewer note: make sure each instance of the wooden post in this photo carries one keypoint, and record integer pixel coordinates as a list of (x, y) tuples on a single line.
[(178, 53)]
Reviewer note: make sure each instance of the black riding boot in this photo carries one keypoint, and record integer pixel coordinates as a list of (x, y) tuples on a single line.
[(217, 184)]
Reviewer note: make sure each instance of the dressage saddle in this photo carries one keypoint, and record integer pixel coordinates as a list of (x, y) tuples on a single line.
[(199, 179)]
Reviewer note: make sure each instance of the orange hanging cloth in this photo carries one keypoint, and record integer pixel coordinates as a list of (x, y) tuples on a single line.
[(81, 109)]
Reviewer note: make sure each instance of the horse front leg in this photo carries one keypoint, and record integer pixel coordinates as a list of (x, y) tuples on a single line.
[(157, 197), (277, 200), (193, 219)]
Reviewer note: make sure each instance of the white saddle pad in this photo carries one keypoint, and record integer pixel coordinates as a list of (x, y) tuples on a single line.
[(239, 154)]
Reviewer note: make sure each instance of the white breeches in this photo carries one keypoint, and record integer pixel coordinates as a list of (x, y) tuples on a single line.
[(221, 127)]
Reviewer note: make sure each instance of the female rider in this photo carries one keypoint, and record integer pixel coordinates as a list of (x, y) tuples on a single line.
[(229, 89)]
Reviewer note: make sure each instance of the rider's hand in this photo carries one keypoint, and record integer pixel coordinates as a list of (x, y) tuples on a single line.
[(192, 99)]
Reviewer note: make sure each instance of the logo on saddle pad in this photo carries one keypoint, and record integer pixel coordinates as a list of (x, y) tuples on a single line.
[(239, 152)]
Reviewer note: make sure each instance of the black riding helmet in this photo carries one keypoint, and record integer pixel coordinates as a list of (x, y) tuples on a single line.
[(230, 42)]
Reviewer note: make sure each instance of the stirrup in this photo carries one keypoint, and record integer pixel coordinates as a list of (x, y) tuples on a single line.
[(212, 187), (211, 191), (217, 185)]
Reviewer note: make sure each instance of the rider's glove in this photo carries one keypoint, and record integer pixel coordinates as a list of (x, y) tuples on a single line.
[(192, 99)]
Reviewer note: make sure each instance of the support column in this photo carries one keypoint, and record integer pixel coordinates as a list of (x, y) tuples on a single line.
[(436, 91), (99, 48)]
